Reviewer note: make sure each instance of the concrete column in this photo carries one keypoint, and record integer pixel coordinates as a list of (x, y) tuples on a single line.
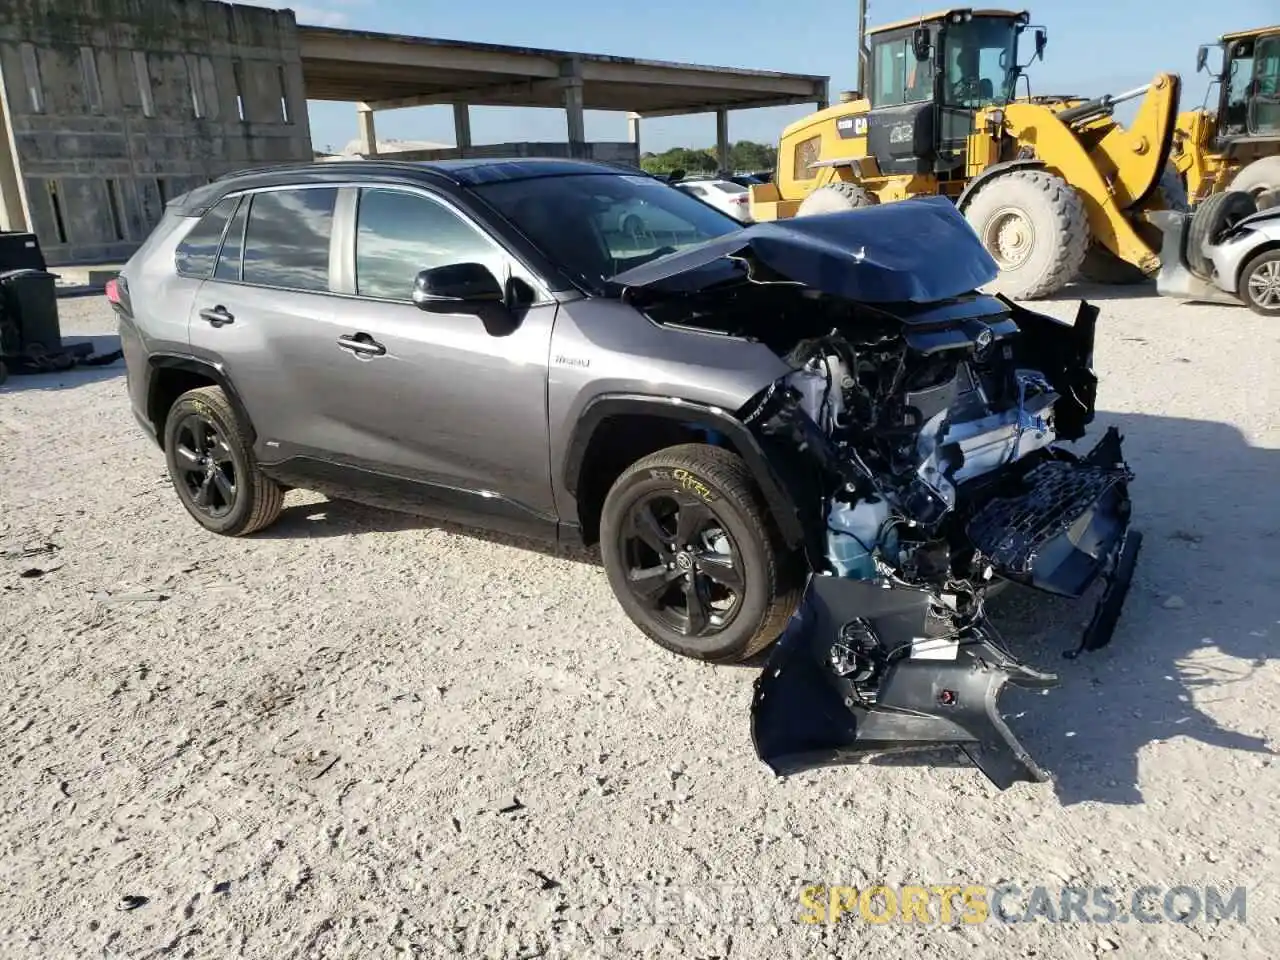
[(633, 129), (722, 138), (571, 73), (462, 126), (368, 132)]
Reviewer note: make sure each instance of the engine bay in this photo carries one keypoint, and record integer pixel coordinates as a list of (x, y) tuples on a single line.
[(931, 465)]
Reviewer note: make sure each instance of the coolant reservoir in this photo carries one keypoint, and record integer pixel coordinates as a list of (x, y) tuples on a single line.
[(853, 532)]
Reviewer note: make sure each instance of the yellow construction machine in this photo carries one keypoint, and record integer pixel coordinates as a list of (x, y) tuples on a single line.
[(1237, 145), (1046, 182)]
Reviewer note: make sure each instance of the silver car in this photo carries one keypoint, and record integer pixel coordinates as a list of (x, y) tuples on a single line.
[(1225, 251), (813, 428)]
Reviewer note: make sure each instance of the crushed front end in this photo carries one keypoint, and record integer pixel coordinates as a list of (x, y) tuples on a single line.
[(920, 432), (929, 464)]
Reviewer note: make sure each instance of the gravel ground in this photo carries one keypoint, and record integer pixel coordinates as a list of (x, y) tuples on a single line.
[(364, 734)]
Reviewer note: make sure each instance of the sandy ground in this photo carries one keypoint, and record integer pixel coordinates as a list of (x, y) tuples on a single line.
[(361, 734)]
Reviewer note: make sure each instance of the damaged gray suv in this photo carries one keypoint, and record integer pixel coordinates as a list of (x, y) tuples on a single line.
[(813, 429)]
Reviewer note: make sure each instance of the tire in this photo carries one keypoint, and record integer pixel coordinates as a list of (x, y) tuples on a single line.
[(1261, 180), (1212, 217), (834, 198), (1262, 269), (1010, 205), (218, 466), (711, 489)]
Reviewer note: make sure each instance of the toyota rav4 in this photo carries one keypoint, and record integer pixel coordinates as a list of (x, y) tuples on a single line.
[(816, 429)]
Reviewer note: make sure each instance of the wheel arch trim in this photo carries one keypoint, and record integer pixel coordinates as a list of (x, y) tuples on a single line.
[(206, 368), (779, 501)]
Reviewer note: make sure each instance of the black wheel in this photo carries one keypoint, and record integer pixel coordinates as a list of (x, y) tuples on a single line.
[(213, 468), (1212, 219), (692, 558), (1260, 283)]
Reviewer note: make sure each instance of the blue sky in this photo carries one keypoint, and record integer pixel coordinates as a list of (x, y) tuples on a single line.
[(1140, 38)]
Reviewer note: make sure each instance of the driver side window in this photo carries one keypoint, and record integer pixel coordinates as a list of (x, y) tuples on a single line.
[(399, 234)]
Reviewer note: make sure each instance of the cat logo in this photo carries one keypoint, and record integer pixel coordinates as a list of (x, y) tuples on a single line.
[(853, 126)]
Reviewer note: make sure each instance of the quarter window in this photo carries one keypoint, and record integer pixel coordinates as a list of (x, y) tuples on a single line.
[(197, 252), (400, 234), (228, 267), (286, 242)]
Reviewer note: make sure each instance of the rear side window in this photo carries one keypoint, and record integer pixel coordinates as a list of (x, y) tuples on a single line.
[(286, 241), (228, 267), (197, 252), (400, 234)]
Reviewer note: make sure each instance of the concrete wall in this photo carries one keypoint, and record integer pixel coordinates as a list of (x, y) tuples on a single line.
[(625, 153), (113, 107)]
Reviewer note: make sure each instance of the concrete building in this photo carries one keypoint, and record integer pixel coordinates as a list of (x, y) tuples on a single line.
[(109, 108)]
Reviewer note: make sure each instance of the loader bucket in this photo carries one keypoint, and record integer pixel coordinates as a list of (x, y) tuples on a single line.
[(1176, 279)]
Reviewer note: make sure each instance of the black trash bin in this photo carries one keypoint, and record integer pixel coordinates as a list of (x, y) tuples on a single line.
[(20, 251), (29, 305)]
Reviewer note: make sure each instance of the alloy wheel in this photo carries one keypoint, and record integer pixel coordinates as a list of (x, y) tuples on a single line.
[(682, 564), (206, 470)]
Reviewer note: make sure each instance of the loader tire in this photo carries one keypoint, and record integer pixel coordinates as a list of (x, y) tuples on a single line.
[(1214, 216), (834, 198), (1261, 180), (1033, 223)]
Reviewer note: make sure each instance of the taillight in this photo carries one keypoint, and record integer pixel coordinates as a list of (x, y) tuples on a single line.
[(117, 291)]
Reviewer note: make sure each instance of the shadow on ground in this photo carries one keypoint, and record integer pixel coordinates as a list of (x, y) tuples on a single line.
[(77, 376), (1202, 616)]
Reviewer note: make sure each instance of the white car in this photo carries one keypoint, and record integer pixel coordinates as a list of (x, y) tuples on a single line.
[(725, 195)]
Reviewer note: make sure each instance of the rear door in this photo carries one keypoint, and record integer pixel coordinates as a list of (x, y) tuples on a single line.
[(263, 313)]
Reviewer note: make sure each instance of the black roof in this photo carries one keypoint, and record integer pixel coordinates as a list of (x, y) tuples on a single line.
[(457, 173)]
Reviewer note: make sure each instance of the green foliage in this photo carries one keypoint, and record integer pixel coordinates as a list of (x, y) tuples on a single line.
[(743, 155)]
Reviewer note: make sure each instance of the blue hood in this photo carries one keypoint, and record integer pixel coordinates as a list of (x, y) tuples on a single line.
[(918, 251)]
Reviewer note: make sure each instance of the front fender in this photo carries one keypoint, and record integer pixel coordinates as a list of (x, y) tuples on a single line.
[(777, 495)]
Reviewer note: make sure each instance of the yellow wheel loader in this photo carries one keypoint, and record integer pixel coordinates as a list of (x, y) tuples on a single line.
[(1045, 182), (1237, 145)]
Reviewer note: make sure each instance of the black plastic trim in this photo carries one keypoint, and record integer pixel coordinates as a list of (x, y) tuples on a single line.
[(420, 497), (779, 501), (176, 361)]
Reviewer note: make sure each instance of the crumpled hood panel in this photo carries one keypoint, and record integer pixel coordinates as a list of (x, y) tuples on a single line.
[(917, 251)]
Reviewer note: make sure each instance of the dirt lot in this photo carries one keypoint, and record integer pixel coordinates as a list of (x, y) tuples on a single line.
[(363, 734)]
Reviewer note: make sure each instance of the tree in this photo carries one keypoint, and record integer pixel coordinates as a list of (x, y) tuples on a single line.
[(743, 155)]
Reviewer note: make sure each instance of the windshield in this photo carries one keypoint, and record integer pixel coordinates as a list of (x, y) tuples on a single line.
[(981, 62), (597, 225)]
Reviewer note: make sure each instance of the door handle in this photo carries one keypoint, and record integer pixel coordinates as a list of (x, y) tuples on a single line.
[(362, 344), (217, 316)]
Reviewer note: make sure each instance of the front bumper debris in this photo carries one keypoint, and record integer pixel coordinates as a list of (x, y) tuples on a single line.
[(870, 667)]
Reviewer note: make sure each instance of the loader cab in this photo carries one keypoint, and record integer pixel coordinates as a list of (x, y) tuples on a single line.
[(1249, 105), (929, 77)]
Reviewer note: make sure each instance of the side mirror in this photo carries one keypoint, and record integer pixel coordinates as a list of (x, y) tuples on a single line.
[(456, 288), (921, 43), (1202, 59), (1042, 40)]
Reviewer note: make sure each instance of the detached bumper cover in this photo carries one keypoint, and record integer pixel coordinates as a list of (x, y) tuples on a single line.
[(914, 686)]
